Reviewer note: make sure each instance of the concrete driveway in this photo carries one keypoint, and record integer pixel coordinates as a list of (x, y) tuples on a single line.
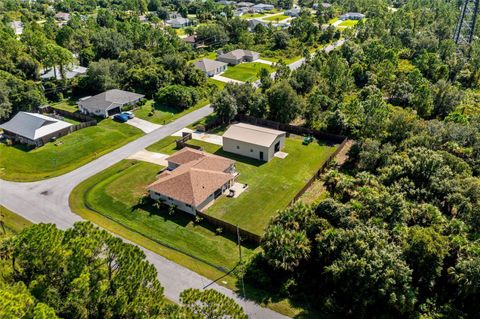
[(151, 157), (145, 126), (224, 79), (201, 136), (264, 62)]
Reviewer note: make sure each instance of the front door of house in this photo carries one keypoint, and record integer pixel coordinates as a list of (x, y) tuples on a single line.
[(261, 156)]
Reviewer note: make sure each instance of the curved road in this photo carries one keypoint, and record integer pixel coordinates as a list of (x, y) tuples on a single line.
[(47, 202)]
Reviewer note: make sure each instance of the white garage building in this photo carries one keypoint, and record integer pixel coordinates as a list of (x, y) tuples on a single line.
[(253, 141)]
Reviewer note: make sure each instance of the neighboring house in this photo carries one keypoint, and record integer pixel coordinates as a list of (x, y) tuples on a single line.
[(352, 16), (211, 67), (261, 7), (69, 73), (244, 4), (282, 25), (238, 56), (62, 16), (238, 13), (252, 24), (226, 2), (253, 141), (17, 27), (178, 23), (108, 103), (34, 129), (295, 12), (193, 180)]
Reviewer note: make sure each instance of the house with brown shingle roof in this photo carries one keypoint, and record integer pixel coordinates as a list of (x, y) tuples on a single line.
[(193, 180)]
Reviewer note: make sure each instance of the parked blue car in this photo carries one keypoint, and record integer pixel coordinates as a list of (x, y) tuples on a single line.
[(122, 118)]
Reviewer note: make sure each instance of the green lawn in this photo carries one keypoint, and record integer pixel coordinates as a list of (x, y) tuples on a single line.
[(209, 55), (220, 85), (253, 209), (13, 223), (164, 114), (277, 17), (18, 163), (332, 21), (66, 105), (252, 15), (247, 71), (348, 23), (115, 194)]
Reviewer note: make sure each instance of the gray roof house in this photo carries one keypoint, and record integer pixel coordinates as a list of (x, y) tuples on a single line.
[(238, 56), (352, 16), (244, 4), (295, 12), (211, 67), (34, 129), (70, 73), (178, 23), (108, 103), (261, 7), (63, 16), (252, 23)]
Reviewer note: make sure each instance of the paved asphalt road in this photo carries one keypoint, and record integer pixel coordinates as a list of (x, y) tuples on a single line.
[(47, 202)]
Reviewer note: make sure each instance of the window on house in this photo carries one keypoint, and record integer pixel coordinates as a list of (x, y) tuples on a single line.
[(251, 150), (238, 147), (188, 205)]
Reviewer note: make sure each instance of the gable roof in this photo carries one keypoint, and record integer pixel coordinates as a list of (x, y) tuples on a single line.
[(199, 175), (207, 65), (179, 20), (252, 134), (238, 54), (33, 126), (109, 99)]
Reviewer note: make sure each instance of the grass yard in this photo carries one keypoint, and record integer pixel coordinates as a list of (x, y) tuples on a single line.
[(348, 23), (18, 163), (252, 15), (219, 84), (164, 114), (333, 20), (66, 105), (113, 201), (277, 17), (254, 208), (246, 72), (13, 223)]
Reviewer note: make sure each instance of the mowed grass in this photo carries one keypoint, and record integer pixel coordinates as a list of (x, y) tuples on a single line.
[(116, 194), (246, 72), (12, 222), (164, 114), (18, 163), (348, 23), (271, 185), (277, 17)]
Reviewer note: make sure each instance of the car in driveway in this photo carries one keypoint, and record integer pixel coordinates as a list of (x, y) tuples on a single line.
[(122, 118), (129, 114)]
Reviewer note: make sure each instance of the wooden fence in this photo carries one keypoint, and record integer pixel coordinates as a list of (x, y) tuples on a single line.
[(320, 171), (298, 130), (182, 142), (74, 115)]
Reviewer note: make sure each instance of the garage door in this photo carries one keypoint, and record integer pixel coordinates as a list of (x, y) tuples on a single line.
[(114, 111)]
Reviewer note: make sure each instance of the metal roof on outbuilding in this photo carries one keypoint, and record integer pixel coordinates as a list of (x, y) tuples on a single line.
[(252, 134)]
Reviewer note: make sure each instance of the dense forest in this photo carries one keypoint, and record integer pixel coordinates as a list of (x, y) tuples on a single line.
[(398, 234), (85, 272)]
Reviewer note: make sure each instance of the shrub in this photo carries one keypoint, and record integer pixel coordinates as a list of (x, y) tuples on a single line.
[(177, 96)]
